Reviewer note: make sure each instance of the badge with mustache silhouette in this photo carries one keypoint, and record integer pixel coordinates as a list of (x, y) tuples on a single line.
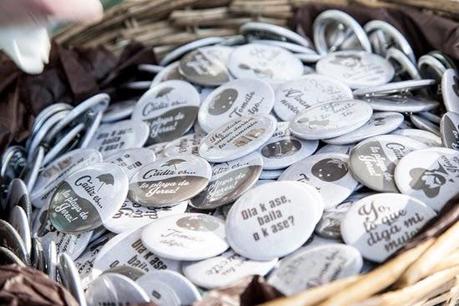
[(429, 181)]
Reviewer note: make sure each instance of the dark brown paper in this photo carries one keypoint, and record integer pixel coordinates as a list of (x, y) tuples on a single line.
[(24, 286)]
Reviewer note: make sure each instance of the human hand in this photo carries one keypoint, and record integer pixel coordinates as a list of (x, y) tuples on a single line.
[(20, 12)]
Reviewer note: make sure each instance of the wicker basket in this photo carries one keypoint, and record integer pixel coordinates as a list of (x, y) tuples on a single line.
[(165, 24)]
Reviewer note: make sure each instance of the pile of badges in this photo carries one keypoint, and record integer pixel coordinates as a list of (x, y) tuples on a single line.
[(261, 154)]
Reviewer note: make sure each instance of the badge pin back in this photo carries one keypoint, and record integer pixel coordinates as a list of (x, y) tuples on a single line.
[(254, 222), (402, 103), (70, 278), (394, 87), (404, 68), (13, 162), (330, 18), (170, 180)]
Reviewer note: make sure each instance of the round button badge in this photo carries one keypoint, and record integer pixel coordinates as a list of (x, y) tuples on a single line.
[(229, 180), (112, 137), (169, 181), (169, 108), (328, 173), (316, 266), (131, 160), (331, 119), (235, 99), (373, 161), (430, 175), (188, 236), (273, 219), (237, 138), (450, 90), (449, 130), (265, 62), (88, 197), (284, 149), (380, 224), (293, 97), (357, 69)]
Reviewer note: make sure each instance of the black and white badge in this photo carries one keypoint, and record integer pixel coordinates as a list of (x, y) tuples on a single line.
[(127, 250), (425, 124), (169, 108), (380, 224), (316, 266), (262, 30), (393, 88), (379, 124), (115, 289), (430, 175), (273, 220), (188, 47), (13, 241), (331, 119), (292, 97), (270, 63), (168, 73), (426, 137), (188, 144), (72, 244), (169, 181), (373, 161), (54, 173), (70, 278), (357, 69), (449, 130), (159, 284), (133, 215), (18, 195), (206, 66), (88, 197), (112, 137), (19, 221), (131, 160), (235, 99), (188, 236), (237, 138), (223, 270), (229, 180), (402, 103), (328, 173), (450, 90), (284, 149)]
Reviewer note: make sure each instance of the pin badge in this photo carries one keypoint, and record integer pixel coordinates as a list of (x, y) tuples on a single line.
[(237, 138), (426, 137), (223, 270), (169, 109), (169, 181), (449, 130), (450, 90), (132, 215), (188, 144), (379, 123), (380, 224), (328, 173), (235, 99), (316, 266), (70, 278), (206, 66), (269, 63), (273, 220), (424, 124), (184, 49), (118, 111), (229, 180), (373, 161), (429, 175), (263, 30), (88, 197), (331, 119), (293, 97), (402, 104), (394, 87), (112, 137), (131, 160), (357, 69), (188, 236)]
